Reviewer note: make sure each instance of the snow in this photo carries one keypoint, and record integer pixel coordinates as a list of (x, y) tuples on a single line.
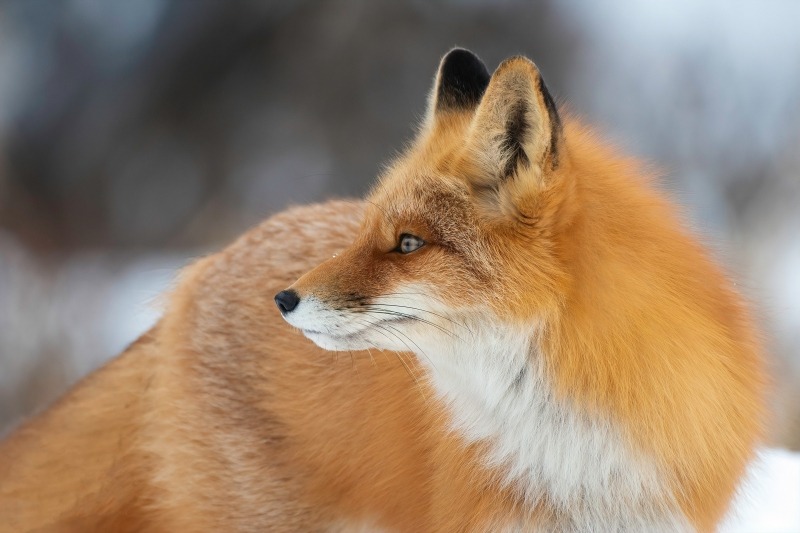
[(769, 501)]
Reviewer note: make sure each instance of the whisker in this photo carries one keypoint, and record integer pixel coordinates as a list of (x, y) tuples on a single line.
[(381, 329), (412, 342), (410, 372), (378, 310), (353, 361), (370, 323), (360, 300), (426, 311), (396, 333), (335, 353), (383, 211), (397, 295), (372, 358)]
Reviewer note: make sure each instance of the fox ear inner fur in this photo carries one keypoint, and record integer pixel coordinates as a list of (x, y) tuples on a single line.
[(516, 125)]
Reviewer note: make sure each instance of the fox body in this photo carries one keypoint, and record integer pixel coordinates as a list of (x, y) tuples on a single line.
[(525, 338)]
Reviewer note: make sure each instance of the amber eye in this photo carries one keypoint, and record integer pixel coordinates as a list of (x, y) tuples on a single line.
[(409, 243)]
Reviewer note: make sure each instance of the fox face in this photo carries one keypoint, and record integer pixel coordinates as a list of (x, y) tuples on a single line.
[(461, 231)]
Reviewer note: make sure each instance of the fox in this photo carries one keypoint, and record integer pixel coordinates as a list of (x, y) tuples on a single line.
[(514, 331)]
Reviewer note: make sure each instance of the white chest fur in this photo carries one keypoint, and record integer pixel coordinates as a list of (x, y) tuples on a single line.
[(497, 391)]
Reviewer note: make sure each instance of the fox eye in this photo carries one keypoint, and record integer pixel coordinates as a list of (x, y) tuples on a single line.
[(409, 243)]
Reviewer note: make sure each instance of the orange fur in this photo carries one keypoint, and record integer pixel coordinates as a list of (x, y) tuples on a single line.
[(224, 418)]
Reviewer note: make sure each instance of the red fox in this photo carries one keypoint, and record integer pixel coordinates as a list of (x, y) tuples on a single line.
[(525, 337)]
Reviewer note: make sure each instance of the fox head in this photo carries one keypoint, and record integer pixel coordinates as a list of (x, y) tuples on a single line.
[(461, 231)]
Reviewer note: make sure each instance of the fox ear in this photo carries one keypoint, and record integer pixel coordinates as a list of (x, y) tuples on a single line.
[(460, 83), (516, 126)]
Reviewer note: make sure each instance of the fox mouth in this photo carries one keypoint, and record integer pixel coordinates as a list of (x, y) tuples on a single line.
[(362, 339), (353, 334), (345, 336), (338, 342), (321, 335)]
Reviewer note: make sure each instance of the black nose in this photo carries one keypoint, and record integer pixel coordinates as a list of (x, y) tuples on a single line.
[(287, 300)]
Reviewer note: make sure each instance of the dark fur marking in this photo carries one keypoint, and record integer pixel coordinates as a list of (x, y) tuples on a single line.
[(555, 121), (519, 378), (516, 129), (352, 300), (463, 79)]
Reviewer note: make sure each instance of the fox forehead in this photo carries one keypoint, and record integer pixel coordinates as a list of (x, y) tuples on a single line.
[(437, 205)]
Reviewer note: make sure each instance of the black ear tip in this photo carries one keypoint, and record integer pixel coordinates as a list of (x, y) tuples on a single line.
[(461, 62), (463, 78), (462, 54)]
